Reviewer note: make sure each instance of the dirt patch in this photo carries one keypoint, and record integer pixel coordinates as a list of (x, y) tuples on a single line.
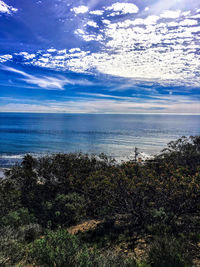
[(83, 227)]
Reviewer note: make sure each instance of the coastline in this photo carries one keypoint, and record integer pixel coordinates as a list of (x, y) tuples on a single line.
[(8, 161)]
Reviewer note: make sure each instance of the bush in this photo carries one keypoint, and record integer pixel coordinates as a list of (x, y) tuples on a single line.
[(57, 248), (133, 200), (111, 259), (69, 209), (61, 249), (168, 252), (91, 258), (17, 218), (11, 248)]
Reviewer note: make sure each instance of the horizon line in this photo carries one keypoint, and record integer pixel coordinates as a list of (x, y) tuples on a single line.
[(99, 113)]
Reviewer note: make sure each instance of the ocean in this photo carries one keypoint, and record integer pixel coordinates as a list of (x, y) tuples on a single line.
[(113, 134)]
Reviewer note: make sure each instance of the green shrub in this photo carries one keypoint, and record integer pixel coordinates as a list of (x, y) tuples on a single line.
[(11, 247), (168, 252), (84, 258), (61, 249), (134, 200), (105, 259), (17, 218), (111, 259), (69, 209), (57, 248)]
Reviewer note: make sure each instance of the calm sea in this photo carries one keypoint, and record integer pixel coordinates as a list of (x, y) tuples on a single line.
[(115, 135)]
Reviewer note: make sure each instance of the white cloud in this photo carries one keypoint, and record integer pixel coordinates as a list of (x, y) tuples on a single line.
[(92, 23), (63, 51), (196, 16), (97, 12), (172, 24), (5, 58), (26, 55), (89, 37), (4, 8), (108, 96), (186, 13), (194, 29), (72, 50), (150, 20), (43, 81), (80, 9), (46, 82), (51, 50), (153, 49), (95, 105), (148, 53), (106, 21), (172, 14), (79, 32), (188, 22), (122, 8)]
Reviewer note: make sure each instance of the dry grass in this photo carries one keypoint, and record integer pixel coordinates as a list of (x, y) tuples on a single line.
[(83, 227)]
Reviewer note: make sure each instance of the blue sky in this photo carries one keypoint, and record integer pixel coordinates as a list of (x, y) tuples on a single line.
[(100, 56)]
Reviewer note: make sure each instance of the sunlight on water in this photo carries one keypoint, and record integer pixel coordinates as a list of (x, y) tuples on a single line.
[(115, 135)]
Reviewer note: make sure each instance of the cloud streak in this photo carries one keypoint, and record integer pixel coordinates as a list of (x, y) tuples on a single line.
[(99, 104), (46, 82)]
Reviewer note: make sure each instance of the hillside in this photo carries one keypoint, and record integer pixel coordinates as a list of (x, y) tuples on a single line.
[(82, 210)]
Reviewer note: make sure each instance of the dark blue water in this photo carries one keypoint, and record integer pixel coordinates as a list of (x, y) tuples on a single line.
[(115, 135)]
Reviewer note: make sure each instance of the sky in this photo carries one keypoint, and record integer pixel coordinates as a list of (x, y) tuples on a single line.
[(108, 56)]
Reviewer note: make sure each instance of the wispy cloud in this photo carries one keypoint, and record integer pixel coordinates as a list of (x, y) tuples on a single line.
[(50, 83), (85, 105), (46, 82), (106, 96)]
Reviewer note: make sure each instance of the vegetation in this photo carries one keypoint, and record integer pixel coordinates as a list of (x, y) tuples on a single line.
[(148, 212)]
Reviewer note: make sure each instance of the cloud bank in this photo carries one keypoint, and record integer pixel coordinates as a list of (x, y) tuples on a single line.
[(103, 56), (161, 48), (100, 104)]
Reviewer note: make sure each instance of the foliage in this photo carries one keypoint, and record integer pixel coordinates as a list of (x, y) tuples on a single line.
[(110, 259), (69, 209), (62, 249), (152, 200), (17, 218), (55, 249), (168, 252)]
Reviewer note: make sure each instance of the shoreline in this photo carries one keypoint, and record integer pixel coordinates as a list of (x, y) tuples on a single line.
[(8, 161)]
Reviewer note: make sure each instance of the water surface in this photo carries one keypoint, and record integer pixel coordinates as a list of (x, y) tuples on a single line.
[(116, 135)]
